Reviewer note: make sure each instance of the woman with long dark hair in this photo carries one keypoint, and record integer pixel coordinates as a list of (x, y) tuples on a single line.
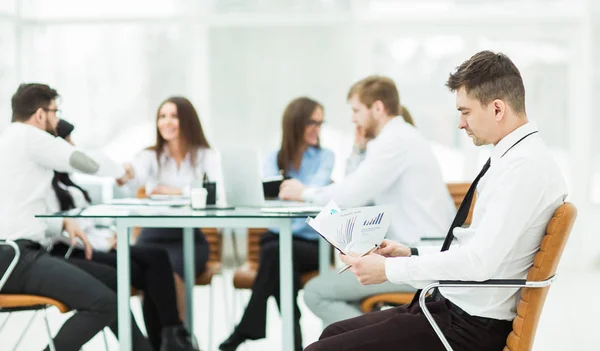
[(151, 270), (180, 156), (301, 157)]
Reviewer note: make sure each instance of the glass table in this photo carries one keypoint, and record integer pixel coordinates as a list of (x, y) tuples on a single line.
[(127, 217)]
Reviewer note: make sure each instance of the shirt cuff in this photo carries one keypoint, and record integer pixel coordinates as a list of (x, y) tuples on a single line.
[(358, 151), (396, 269), (309, 194)]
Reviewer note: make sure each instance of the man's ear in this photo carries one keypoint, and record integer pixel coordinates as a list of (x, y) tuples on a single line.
[(499, 107), (378, 108), (39, 115)]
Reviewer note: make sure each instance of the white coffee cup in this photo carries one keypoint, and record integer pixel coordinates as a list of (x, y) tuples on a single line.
[(199, 197)]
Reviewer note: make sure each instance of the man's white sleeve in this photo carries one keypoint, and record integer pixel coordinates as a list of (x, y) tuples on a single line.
[(57, 154)]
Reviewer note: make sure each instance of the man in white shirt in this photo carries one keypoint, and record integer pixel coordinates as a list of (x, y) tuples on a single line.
[(399, 169), (518, 191), (29, 155)]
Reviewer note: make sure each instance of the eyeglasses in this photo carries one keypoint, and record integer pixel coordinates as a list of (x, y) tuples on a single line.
[(312, 123), (56, 111)]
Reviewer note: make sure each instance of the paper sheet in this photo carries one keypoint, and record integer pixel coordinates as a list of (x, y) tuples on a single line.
[(355, 230)]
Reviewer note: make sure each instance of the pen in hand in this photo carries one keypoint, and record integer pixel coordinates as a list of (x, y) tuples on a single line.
[(363, 255)]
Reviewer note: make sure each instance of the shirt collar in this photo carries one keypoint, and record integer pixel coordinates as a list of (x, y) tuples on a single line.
[(394, 120), (508, 141), (311, 151), (166, 155)]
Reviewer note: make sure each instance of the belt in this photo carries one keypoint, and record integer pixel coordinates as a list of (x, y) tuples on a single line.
[(484, 321)]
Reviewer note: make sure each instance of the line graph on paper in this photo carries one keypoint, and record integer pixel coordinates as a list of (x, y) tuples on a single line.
[(375, 220), (344, 232)]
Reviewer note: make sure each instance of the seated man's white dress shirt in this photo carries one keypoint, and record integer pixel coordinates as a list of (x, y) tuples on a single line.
[(515, 200)]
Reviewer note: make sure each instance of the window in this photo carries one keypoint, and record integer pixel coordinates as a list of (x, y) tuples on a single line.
[(595, 164), (75, 9), (8, 76), (111, 78)]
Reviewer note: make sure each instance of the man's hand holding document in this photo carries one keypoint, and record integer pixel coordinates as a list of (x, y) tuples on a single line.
[(356, 231)]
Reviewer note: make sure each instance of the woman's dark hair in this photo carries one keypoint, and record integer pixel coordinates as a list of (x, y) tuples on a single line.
[(190, 129), (65, 199), (296, 117)]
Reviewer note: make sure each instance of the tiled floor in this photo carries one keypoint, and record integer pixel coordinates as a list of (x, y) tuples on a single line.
[(568, 323)]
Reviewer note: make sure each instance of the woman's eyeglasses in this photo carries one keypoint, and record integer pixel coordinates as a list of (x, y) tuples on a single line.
[(313, 123)]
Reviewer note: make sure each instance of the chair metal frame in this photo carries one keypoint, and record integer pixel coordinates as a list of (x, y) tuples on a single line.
[(492, 283), (35, 309)]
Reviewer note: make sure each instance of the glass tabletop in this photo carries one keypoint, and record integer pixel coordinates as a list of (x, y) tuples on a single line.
[(129, 211)]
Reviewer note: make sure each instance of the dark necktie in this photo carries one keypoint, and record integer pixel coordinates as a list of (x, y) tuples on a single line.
[(460, 218), (465, 206)]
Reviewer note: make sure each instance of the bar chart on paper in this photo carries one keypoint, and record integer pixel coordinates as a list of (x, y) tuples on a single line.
[(376, 220), (344, 233), (355, 230)]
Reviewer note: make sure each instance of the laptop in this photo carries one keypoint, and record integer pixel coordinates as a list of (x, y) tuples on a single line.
[(243, 183)]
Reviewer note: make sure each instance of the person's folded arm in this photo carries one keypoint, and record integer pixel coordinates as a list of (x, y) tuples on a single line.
[(57, 154), (376, 173), (514, 205)]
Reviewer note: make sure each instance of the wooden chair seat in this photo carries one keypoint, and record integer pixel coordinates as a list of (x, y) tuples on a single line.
[(243, 277), (304, 278), (376, 302), (205, 278), (17, 302)]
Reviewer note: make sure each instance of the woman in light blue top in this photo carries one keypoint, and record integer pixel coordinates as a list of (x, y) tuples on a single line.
[(300, 157)]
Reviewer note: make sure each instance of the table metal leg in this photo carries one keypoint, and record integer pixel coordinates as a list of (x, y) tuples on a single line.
[(123, 287), (324, 261), (189, 271), (286, 284)]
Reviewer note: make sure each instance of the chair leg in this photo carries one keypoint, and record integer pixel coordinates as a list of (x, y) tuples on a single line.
[(25, 330), (226, 296), (429, 317), (105, 339), (231, 321), (211, 315), (50, 341), (5, 321)]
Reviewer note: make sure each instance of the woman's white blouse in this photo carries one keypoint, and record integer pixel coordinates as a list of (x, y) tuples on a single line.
[(148, 173)]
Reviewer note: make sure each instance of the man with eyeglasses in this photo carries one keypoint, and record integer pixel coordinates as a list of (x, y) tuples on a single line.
[(30, 152), (398, 169)]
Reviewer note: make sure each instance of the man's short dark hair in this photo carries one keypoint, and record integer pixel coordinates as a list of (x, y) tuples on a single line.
[(487, 76), (29, 98)]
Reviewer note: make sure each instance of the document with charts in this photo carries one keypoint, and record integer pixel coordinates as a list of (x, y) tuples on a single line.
[(355, 230)]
